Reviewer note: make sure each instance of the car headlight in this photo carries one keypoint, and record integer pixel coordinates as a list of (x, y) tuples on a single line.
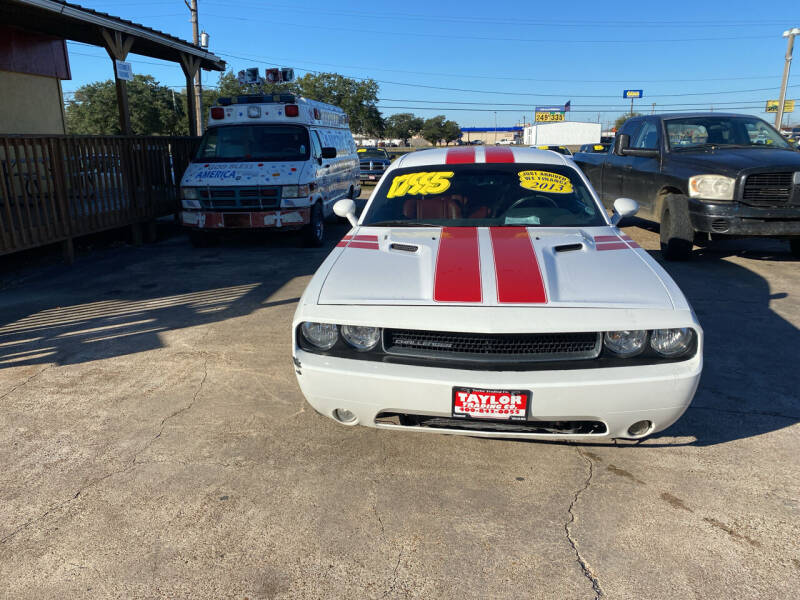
[(711, 187), (361, 338), (671, 342), (625, 343), (296, 191), (320, 335), (188, 193)]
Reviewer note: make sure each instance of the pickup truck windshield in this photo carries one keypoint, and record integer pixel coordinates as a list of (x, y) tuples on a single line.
[(241, 143), (697, 132), (372, 153), (481, 195)]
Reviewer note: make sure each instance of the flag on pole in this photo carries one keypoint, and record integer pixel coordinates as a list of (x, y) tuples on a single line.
[(566, 106)]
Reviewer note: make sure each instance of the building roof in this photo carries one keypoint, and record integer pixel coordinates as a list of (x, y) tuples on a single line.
[(73, 22)]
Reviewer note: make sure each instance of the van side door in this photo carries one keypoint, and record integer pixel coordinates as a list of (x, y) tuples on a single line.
[(322, 175)]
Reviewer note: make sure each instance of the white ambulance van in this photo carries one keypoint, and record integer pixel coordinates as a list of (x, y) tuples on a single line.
[(269, 162)]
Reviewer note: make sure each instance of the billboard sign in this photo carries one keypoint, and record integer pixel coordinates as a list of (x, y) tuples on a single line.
[(630, 94), (548, 114), (772, 106)]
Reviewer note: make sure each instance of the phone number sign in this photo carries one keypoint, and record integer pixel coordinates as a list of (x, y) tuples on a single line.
[(548, 117)]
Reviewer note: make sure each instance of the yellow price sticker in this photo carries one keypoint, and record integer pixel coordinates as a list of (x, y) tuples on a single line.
[(545, 181), (416, 184), (599, 148), (362, 150)]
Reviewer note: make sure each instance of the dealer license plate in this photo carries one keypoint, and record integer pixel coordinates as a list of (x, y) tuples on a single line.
[(503, 405)]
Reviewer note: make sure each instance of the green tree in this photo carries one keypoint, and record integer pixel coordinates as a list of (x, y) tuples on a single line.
[(403, 126), (451, 131), (433, 129), (622, 118), (154, 108)]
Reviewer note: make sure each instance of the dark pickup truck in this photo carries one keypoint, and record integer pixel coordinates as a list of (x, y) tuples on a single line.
[(702, 175)]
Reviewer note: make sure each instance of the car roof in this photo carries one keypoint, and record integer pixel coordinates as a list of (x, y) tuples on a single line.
[(474, 154)]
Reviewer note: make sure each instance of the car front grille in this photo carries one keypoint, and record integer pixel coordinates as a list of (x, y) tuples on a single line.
[(367, 165), (768, 187), (492, 347), (241, 198)]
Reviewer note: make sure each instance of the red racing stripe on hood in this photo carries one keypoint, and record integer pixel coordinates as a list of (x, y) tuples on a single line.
[(459, 156), (458, 266), (519, 279), (499, 155)]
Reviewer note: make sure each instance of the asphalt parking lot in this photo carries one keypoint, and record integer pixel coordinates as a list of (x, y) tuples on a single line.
[(154, 443)]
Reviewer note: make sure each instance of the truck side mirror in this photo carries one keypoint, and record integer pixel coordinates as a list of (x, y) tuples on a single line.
[(621, 143), (328, 152), (346, 208), (623, 207)]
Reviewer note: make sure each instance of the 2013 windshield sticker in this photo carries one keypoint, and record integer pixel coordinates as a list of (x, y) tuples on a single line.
[(416, 184), (545, 181)]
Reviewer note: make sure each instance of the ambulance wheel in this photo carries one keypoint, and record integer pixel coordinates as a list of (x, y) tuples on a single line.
[(202, 239), (315, 230)]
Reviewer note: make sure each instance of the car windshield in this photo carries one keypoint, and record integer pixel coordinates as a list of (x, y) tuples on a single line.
[(696, 132), (481, 195), (273, 143), (372, 153)]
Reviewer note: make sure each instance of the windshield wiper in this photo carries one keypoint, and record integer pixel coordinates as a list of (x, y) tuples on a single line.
[(400, 224)]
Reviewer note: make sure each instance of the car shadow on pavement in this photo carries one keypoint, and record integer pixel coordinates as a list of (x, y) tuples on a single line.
[(118, 301)]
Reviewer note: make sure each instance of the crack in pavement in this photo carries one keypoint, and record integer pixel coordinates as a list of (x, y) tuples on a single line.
[(127, 468), (26, 382), (585, 568)]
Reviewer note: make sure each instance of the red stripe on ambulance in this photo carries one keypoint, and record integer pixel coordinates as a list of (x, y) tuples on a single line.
[(460, 156), (519, 279), (458, 266), (499, 155)]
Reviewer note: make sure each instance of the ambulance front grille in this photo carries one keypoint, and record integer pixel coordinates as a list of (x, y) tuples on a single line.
[(241, 198), (492, 347)]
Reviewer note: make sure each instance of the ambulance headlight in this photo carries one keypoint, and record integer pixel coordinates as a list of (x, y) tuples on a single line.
[(361, 338), (189, 193), (296, 191), (320, 335)]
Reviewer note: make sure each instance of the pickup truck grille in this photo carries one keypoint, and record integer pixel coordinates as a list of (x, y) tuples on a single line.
[(492, 347), (768, 187)]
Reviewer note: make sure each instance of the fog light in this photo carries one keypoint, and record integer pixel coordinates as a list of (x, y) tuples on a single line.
[(639, 428), (343, 415)]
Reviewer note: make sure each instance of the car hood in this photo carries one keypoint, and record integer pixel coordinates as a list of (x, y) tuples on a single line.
[(498, 266), (731, 161)]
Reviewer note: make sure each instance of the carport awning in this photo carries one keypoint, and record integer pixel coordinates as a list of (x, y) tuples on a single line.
[(73, 22)]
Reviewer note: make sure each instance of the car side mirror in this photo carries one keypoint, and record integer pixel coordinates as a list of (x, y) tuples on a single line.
[(346, 209), (328, 152), (621, 143), (623, 207)]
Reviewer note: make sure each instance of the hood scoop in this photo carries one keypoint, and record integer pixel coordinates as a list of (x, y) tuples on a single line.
[(403, 247), (568, 247)]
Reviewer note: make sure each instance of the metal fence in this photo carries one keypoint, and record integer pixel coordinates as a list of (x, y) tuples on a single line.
[(55, 188)]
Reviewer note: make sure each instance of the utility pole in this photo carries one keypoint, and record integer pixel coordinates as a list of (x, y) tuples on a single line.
[(789, 33), (653, 110), (495, 127), (198, 87)]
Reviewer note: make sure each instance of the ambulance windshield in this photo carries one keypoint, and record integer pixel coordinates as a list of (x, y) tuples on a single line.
[(242, 143)]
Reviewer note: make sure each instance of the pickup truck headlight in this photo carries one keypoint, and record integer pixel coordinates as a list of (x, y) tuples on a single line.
[(297, 191), (711, 187)]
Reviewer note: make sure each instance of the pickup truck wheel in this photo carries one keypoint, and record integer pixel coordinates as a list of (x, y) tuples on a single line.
[(315, 231), (794, 247), (677, 235)]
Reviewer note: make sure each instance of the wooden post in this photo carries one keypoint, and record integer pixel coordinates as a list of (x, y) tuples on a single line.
[(118, 46), (190, 66)]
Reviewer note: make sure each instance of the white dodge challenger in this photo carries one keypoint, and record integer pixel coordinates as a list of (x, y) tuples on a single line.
[(484, 291)]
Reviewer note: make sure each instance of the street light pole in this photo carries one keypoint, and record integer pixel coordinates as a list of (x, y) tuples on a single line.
[(495, 127), (789, 33)]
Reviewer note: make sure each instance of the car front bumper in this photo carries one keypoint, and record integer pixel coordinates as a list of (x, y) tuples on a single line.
[(617, 396), (738, 219)]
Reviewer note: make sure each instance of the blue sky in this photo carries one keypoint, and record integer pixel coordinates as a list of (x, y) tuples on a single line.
[(474, 61)]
